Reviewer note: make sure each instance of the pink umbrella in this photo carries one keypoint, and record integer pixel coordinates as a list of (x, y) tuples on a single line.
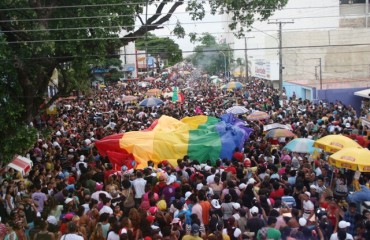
[(258, 115)]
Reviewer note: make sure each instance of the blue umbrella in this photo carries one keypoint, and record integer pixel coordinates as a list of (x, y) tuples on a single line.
[(301, 145), (151, 102)]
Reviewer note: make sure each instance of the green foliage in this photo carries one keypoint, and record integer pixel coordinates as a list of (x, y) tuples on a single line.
[(243, 12), (165, 48), (211, 56)]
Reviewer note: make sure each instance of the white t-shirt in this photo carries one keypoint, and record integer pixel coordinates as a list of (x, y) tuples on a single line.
[(72, 236), (112, 236), (139, 186), (334, 236), (106, 209), (307, 206), (237, 232)]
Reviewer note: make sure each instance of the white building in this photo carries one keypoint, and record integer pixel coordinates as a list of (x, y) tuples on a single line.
[(332, 31)]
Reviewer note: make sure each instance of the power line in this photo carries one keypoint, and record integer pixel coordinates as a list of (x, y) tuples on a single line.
[(142, 3), (192, 51)]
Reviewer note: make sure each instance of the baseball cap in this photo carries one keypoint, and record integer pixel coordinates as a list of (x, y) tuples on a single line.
[(153, 210), (195, 229), (254, 210), (236, 206), (215, 203), (343, 224), (82, 158), (242, 186), (162, 205), (68, 200), (313, 187), (308, 194), (187, 195), (175, 221), (251, 181)]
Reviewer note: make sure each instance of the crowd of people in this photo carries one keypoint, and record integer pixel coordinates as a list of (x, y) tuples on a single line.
[(262, 192)]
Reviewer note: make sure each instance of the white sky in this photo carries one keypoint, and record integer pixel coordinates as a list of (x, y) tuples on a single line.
[(210, 23)]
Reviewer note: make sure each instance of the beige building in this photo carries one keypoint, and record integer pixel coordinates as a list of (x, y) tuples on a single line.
[(333, 32)]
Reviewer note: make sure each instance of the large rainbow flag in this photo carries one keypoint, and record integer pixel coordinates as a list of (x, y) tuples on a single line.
[(202, 138)]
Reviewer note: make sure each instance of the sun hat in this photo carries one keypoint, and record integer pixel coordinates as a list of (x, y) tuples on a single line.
[(215, 203)]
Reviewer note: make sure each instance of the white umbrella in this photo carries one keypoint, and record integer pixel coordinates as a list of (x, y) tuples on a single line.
[(237, 110), (213, 77), (95, 195), (143, 84)]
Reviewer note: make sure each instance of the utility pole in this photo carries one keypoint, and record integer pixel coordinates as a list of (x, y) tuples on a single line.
[(246, 57), (280, 52), (146, 39), (320, 73)]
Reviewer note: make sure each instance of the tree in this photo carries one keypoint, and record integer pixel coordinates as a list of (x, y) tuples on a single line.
[(211, 56), (165, 48), (37, 37)]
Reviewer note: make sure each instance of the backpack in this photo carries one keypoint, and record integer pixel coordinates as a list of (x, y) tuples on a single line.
[(129, 201)]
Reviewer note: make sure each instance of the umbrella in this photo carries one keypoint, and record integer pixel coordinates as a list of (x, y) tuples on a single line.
[(334, 143), (187, 88), (258, 115), (143, 84), (213, 77), (149, 79), (153, 92), (232, 86), (151, 102), (180, 80), (237, 110), (351, 158), (277, 133), (95, 195), (301, 145), (129, 98), (275, 126), (186, 72)]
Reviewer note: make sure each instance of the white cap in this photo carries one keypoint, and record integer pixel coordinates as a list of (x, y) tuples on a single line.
[(343, 224), (87, 141), (187, 195), (348, 125), (68, 200), (236, 206), (171, 179), (58, 133), (254, 210), (82, 158), (199, 186), (302, 221), (215, 203), (308, 194), (251, 181), (242, 186), (313, 187)]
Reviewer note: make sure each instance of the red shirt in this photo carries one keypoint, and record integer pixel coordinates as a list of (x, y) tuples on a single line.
[(231, 169), (277, 193), (239, 156)]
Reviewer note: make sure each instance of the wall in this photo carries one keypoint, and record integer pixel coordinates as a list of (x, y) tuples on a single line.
[(346, 96), (301, 91)]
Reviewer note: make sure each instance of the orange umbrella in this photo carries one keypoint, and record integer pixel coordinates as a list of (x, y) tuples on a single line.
[(153, 92)]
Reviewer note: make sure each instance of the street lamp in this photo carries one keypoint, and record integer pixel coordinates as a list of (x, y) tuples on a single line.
[(224, 62)]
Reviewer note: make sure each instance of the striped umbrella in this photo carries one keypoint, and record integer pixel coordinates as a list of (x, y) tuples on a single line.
[(301, 145), (232, 86), (258, 115), (129, 98), (151, 102), (237, 110), (277, 133)]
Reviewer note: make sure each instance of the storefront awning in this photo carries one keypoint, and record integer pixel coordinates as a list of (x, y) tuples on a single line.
[(363, 93)]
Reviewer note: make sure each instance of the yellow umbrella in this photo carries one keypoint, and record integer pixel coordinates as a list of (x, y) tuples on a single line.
[(334, 143), (351, 158)]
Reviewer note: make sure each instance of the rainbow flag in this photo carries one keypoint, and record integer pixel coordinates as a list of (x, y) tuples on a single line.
[(202, 138)]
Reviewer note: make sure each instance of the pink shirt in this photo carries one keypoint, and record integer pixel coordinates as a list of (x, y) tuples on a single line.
[(197, 209)]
